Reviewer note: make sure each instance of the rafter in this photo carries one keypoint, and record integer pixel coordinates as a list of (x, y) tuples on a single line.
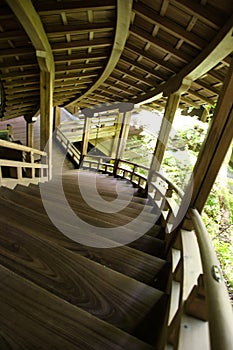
[(69, 6), (124, 9), (153, 72), (81, 44), (165, 64), (218, 48), (170, 26), (206, 13), (54, 30), (131, 73), (160, 44)]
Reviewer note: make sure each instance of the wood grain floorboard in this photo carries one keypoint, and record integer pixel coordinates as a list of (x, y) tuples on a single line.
[(111, 296), (136, 264), (33, 318)]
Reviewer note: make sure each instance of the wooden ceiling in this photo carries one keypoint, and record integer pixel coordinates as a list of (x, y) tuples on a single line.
[(118, 50)]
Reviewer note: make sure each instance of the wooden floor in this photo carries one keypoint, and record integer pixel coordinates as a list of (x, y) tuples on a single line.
[(56, 293)]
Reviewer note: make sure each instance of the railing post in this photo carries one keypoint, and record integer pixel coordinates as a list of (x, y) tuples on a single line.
[(116, 165)]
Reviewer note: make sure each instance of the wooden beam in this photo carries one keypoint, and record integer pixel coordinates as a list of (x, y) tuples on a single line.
[(160, 44), (215, 146), (81, 44), (206, 13), (155, 73), (165, 64), (138, 77), (80, 57), (124, 10), (85, 137), (32, 24), (19, 51), (30, 134), (73, 29), (78, 67), (56, 117), (169, 26), (20, 74), (162, 140), (218, 48), (69, 6)]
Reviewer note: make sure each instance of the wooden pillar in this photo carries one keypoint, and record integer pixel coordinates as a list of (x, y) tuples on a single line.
[(46, 115), (205, 114), (216, 145), (122, 138), (56, 117), (31, 21), (123, 135), (117, 135), (161, 144), (30, 134), (85, 139)]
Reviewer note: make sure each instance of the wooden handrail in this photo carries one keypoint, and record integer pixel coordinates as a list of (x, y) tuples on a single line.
[(68, 146), (218, 303), (16, 146), (219, 314)]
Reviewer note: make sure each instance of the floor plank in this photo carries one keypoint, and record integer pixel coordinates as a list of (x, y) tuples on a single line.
[(107, 294), (136, 264), (32, 318)]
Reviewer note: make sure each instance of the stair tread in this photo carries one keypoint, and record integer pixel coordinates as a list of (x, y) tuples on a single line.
[(109, 295), (127, 260), (86, 213), (32, 317)]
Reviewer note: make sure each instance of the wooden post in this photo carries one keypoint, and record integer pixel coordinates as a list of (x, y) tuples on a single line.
[(122, 138), (216, 145), (46, 115), (56, 117), (85, 138), (31, 21), (160, 147), (117, 135), (30, 134), (205, 114)]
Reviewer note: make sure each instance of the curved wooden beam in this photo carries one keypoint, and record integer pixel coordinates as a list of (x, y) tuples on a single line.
[(30, 20), (124, 11), (216, 51)]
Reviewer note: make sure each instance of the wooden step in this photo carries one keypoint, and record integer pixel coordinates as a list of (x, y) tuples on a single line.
[(33, 318), (81, 207), (106, 294), (146, 243), (124, 259)]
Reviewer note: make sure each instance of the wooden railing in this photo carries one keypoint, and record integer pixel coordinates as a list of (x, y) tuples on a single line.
[(69, 148), (104, 126), (200, 313), (21, 163)]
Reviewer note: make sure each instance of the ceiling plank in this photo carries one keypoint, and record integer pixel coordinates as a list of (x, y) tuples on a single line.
[(160, 44), (206, 13), (81, 44), (32, 24), (165, 64), (124, 11), (143, 67), (169, 26), (69, 6), (218, 48), (54, 30)]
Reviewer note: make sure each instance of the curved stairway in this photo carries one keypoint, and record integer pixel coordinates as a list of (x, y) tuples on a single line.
[(57, 293)]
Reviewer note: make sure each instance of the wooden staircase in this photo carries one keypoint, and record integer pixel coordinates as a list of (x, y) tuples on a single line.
[(57, 293)]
